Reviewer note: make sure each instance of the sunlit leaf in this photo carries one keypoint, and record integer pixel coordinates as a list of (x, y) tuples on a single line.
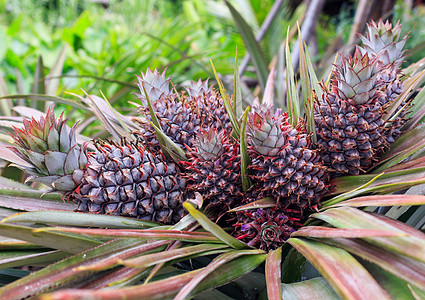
[(337, 266), (145, 234), (78, 219), (326, 232), (54, 240), (245, 160), (400, 265), (273, 274), (212, 267), (412, 243), (251, 45), (316, 288), (216, 230), (383, 200)]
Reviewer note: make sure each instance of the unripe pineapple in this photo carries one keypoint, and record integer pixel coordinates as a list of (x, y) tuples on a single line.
[(181, 116), (349, 119), (124, 179), (283, 164), (383, 41), (214, 170)]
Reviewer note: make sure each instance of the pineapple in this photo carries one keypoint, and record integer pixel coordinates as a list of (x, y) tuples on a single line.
[(181, 116), (266, 229), (283, 164), (383, 42), (120, 179), (349, 119), (214, 170)]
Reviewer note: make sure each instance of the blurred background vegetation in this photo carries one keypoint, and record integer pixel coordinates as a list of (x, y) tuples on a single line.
[(100, 45)]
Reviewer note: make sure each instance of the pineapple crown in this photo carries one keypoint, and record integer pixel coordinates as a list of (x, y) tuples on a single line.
[(355, 77), (269, 132), (51, 150), (383, 40), (155, 84), (266, 229), (210, 144), (198, 88)]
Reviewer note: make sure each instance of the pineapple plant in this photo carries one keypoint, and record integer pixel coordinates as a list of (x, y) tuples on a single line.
[(181, 116), (213, 170), (109, 255), (116, 178), (351, 117)]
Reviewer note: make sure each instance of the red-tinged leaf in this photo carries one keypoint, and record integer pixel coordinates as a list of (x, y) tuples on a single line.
[(383, 200), (166, 288), (316, 288), (78, 219), (10, 259), (400, 265), (145, 234), (54, 240), (395, 286), (268, 95), (388, 182), (64, 272), (410, 164), (273, 274), (262, 203), (216, 230), (117, 278), (341, 270), (41, 97), (326, 232), (117, 258), (30, 200), (179, 253), (212, 267), (413, 244)]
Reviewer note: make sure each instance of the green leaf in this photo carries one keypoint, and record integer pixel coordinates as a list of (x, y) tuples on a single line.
[(39, 84), (41, 97), (383, 200), (237, 105), (216, 230), (262, 203), (316, 288), (273, 274), (165, 256), (69, 270), (251, 44), (143, 234), (386, 183), (78, 219), (169, 287), (168, 145), (307, 89), (412, 243), (245, 160), (326, 232), (226, 102), (291, 87), (212, 267), (343, 272), (30, 201), (15, 258), (67, 243)]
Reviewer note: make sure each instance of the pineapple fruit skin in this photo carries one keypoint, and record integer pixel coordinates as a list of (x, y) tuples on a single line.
[(129, 180)]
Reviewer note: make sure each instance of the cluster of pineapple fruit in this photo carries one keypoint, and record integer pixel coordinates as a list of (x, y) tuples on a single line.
[(135, 178)]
